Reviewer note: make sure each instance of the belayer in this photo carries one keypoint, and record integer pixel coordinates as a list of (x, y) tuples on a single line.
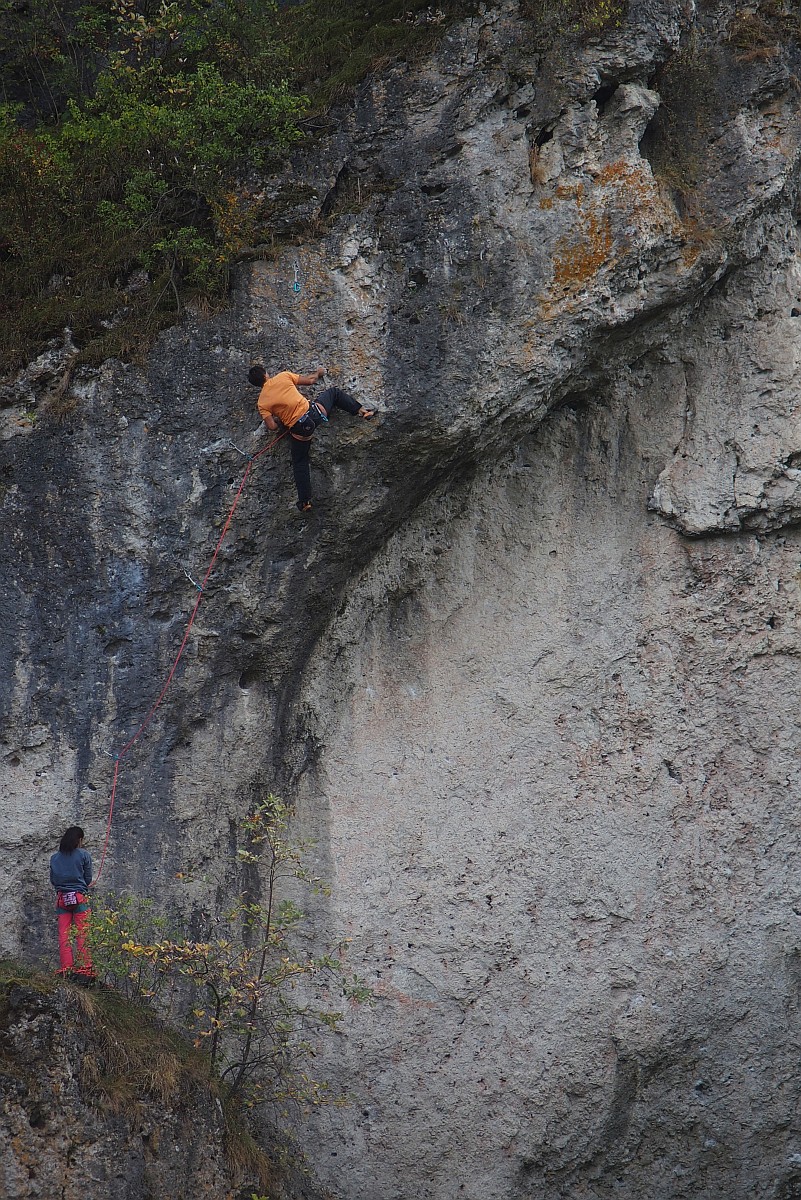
[(71, 876), (280, 400)]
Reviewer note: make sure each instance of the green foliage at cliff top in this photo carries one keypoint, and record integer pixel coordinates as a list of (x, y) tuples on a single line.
[(133, 136)]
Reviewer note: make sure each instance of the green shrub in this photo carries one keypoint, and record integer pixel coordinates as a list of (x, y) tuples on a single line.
[(141, 166), (130, 131)]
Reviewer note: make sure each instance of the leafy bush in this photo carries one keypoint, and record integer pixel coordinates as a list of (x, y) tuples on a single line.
[(130, 131), (172, 105)]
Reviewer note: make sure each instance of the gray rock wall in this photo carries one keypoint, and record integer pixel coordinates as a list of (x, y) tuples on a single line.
[(560, 806), (528, 670)]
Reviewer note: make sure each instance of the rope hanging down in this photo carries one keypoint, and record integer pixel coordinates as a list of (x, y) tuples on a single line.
[(201, 588)]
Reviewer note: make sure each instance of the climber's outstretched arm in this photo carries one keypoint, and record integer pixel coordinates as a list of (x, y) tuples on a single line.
[(308, 380)]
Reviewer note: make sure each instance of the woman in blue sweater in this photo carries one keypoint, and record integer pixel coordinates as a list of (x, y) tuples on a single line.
[(71, 876)]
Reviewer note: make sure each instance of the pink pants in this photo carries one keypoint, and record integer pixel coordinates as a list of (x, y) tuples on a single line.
[(81, 922)]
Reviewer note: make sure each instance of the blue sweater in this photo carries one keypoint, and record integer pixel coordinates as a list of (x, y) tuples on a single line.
[(71, 872)]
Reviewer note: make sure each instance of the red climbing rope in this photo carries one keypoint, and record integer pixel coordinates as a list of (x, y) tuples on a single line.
[(200, 590)]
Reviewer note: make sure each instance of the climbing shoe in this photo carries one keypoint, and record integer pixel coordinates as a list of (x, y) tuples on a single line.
[(304, 505)]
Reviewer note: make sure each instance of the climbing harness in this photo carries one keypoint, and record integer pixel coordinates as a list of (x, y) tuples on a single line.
[(201, 589), (304, 428)]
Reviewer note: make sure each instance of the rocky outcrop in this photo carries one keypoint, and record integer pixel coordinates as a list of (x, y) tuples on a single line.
[(81, 1118), (528, 670)]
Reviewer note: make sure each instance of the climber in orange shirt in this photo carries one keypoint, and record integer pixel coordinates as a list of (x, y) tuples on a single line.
[(280, 401)]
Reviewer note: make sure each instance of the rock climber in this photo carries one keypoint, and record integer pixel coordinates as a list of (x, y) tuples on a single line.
[(71, 876), (280, 400)]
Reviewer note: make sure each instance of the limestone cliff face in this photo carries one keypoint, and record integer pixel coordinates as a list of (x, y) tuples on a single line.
[(528, 671)]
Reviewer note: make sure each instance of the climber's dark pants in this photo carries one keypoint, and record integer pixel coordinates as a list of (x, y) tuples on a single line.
[(332, 397)]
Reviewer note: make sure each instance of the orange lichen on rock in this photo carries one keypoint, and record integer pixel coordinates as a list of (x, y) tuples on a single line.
[(570, 191), (634, 189), (621, 209), (577, 260)]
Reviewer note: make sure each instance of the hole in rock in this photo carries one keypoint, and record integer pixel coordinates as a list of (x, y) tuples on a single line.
[(249, 677), (574, 401), (653, 138), (115, 644), (335, 193), (604, 94)]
